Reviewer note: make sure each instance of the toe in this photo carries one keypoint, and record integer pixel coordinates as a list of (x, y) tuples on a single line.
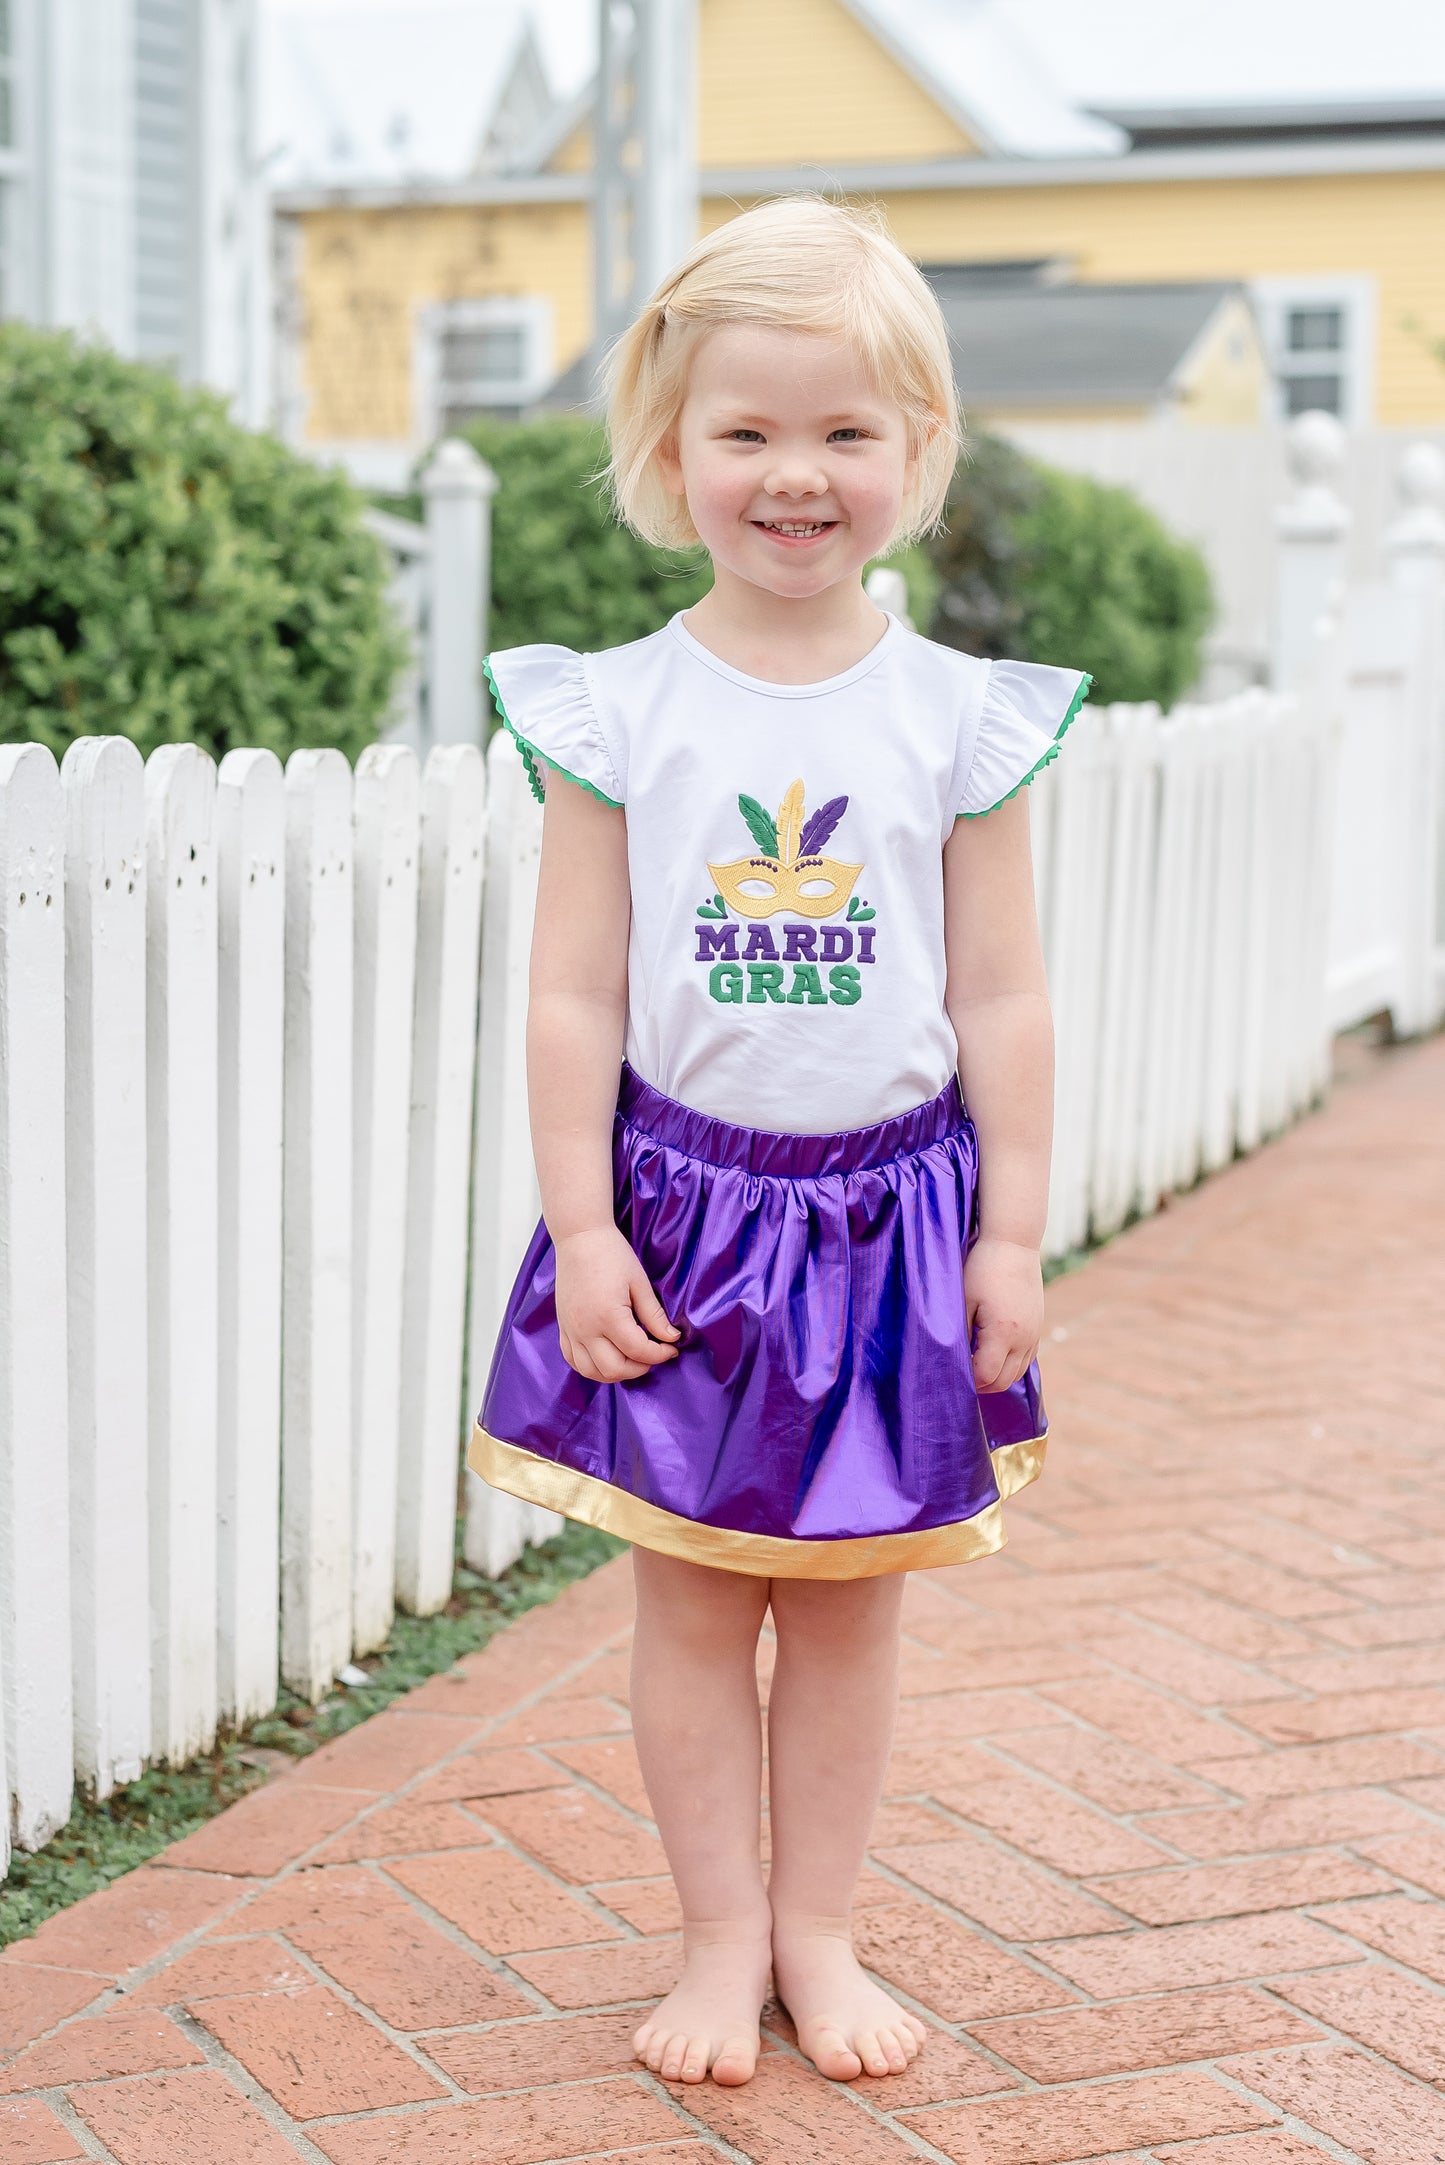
[(668, 2063), (641, 2041), (917, 2029), (873, 2053), (833, 2056), (893, 2048), (694, 2060), (736, 2063)]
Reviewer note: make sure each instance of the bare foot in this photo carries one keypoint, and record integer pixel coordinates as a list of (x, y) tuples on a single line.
[(846, 2024), (708, 2024)]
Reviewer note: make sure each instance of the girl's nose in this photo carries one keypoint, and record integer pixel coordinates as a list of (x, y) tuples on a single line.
[(796, 477)]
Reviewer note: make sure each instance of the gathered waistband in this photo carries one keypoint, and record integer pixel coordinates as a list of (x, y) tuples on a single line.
[(787, 1157)]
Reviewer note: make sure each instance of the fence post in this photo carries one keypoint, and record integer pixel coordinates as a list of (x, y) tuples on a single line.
[(1312, 527), (316, 1269), (453, 831), (1415, 538), (458, 487), (181, 1175), (387, 825), (34, 1476), (103, 781), (251, 884), (1415, 557)]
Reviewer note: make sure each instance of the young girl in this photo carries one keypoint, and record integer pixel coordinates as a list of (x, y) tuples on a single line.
[(770, 902)]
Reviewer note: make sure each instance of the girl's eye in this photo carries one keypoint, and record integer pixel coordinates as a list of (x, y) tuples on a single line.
[(745, 436), (847, 435)]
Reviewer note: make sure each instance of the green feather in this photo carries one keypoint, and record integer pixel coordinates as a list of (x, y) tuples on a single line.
[(761, 825)]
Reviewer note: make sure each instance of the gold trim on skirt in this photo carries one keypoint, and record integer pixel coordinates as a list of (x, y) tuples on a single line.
[(767, 1556)]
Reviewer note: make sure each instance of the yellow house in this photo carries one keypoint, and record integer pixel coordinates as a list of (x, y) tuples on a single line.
[(1235, 262)]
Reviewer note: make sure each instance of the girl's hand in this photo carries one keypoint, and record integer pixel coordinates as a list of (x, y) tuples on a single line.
[(1004, 1290), (611, 1324)]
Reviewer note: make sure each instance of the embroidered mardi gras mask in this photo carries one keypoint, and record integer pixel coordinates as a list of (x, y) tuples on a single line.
[(789, 873)]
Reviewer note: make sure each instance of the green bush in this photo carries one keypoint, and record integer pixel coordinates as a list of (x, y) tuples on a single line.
[(1055, 567), (166, 574), (562, 568)]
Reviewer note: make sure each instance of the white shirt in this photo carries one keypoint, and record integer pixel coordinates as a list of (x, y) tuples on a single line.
[(785, 849)]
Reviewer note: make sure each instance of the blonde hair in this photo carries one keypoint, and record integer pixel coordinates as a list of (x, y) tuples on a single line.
[(800, 263)]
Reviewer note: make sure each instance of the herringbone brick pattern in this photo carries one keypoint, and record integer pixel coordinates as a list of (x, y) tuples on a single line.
[(1163, 1855)]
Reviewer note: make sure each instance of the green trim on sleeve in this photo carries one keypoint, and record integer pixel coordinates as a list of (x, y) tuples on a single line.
[(533, 757), (1039, 764)]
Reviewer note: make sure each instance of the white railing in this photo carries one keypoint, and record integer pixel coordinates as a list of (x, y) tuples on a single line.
[(263, 1130)]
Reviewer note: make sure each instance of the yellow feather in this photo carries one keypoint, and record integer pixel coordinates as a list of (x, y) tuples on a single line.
[(790, 824)]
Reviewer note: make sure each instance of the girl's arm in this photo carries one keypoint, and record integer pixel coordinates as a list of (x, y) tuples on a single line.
[(998, 1002), (611, 1324)]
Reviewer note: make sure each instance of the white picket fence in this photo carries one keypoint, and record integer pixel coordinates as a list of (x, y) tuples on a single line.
[(238, 1051), (264, 1163), (1183, 887)]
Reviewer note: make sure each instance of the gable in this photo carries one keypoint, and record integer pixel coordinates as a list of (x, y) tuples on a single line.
[(804, 83), (799, 83)]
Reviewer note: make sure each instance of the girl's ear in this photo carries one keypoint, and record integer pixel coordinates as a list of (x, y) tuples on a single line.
[(669, 465), (921, 436)]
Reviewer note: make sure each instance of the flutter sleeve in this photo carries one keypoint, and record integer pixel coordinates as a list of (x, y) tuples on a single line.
[(1026, 708), (543, 695)]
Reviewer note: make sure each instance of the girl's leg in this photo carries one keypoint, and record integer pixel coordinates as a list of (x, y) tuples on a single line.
[(830, 1729), (698, 1728)]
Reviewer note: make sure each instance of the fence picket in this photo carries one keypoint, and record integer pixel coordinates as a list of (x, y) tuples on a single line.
[(505, 1203), (453, 832), (1192, 991), (34, 1477), (316, 1269), (1081, 825), (103, 783), (1220, 1063), (386, 821), (181, 1178), (1120, 1050), (251, 905)]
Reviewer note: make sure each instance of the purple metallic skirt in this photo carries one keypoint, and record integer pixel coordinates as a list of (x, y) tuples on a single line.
[(820, 1420)]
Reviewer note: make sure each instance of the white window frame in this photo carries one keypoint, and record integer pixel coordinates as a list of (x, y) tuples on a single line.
[(1356, 296), (532, 313)]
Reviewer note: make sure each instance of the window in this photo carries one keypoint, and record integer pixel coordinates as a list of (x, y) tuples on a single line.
[(480, 357), (1320, 335)]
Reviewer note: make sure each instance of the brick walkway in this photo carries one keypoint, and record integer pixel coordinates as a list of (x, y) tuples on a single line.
[(1164, 1850)]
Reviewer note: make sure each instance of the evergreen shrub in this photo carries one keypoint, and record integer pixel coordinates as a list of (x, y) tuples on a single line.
[(563, 570), (1056, 567), (166, 574)]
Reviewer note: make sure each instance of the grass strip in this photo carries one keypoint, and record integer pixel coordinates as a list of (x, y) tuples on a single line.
[(102, 1841)]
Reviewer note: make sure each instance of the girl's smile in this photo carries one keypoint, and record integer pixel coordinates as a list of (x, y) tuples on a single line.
[(796, 532)]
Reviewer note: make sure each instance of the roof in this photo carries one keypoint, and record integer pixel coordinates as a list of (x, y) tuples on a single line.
[(1258, 121), (984, 72), (1017, 342), (1112, 53)]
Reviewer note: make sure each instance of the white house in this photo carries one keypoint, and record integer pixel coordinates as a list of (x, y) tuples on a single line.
[(132, 205)]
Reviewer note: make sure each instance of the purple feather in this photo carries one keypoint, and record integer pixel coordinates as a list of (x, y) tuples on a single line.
[(818, 827)]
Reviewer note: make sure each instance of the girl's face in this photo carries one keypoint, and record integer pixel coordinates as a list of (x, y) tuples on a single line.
[(794, 469)]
